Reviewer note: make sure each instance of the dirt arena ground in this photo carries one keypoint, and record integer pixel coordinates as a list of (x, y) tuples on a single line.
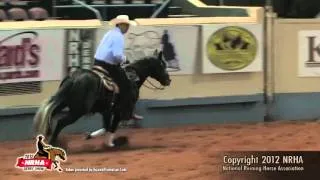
[(182, 153)]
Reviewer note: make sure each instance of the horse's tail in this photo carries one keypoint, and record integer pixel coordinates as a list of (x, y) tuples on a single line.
[(42, 119)]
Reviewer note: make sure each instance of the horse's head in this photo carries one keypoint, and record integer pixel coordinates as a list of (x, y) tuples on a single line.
[(158, 69), (152, 66)]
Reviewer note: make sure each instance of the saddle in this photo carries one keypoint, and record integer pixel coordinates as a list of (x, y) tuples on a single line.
[(106, 79)]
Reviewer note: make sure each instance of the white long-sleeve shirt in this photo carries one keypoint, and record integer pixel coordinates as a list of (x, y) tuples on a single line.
[(111, 47)]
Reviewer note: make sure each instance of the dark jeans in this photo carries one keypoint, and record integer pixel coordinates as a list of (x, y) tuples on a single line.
[(125, 87)]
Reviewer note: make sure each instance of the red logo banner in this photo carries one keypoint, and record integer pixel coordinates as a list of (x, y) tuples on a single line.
[(36, 162)]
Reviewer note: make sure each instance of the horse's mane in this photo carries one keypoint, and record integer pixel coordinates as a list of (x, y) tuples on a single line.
[(141, 62)]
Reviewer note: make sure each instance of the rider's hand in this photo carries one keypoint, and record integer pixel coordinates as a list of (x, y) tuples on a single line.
[(125, 61)]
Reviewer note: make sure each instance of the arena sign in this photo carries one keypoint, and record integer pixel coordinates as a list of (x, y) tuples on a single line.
[(80, 46), (232, 48), (179, 56), (309, 53), (34, 55), (179, 53)]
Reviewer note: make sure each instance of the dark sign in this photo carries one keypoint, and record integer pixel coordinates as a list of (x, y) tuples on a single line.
[(79, 48)]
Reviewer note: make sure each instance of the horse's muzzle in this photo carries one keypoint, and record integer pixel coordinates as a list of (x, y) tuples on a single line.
[(168, 82)]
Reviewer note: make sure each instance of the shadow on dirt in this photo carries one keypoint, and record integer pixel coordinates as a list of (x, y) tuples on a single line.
[(85, 149), (121, 144)]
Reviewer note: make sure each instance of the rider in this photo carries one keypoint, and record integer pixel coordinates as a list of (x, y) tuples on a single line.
[(110, 56), (41, 147)]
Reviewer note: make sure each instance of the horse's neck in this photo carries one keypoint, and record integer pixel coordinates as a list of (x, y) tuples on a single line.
[(141, 81), (142, 73)]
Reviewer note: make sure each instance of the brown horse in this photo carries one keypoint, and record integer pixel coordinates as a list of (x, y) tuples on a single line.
[(53, 152)]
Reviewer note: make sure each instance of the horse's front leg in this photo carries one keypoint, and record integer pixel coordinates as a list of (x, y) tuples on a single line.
[(106, 119), (112, 130), (55, 164)]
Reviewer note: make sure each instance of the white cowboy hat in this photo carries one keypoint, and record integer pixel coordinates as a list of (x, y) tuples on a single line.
[(122, 19)]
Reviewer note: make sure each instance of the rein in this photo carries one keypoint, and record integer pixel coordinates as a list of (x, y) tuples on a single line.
[(154, 87)]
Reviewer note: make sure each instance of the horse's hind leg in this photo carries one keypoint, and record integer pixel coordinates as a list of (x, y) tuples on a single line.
[(55, 164), (62, 123)]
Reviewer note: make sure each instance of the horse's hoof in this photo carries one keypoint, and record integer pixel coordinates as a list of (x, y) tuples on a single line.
[(88, 136), (108, 145), (121, 141)]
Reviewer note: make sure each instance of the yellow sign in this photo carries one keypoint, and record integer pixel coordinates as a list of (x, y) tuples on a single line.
[(232, 48)]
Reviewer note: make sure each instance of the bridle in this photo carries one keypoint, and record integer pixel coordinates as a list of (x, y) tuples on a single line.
[(154, 87)]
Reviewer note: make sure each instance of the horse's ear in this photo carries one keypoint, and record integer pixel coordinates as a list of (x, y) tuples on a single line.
[(160, 56), (155, 53)]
